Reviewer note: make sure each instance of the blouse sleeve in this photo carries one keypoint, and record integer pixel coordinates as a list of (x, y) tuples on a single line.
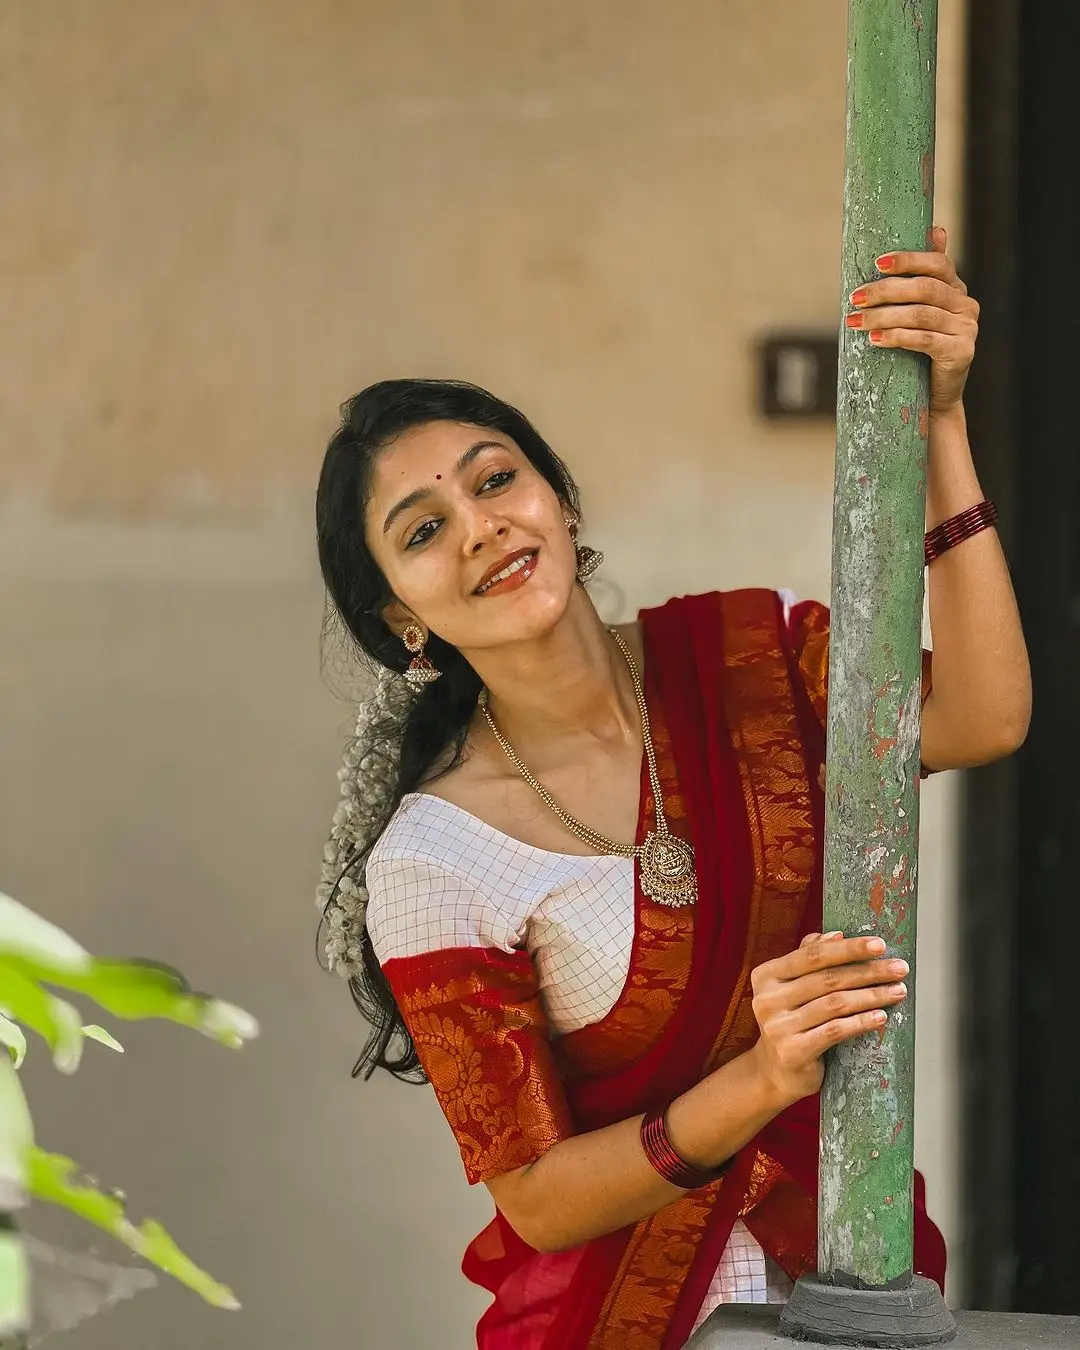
[(471, 1002)]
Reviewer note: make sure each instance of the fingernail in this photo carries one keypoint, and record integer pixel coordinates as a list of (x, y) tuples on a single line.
[(854, 320), (858, 297), (836, 933), (875, 945), (875, 335), (878, 1017), (899, 968), (899, 990), (885, 263)]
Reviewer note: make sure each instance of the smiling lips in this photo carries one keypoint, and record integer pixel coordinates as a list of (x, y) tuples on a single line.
[(508, 575)]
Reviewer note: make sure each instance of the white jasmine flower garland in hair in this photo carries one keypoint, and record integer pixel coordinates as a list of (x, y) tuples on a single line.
[(367, 777)]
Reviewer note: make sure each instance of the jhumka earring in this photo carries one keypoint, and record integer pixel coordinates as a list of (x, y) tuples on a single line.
[(588, 559), (420, 671)]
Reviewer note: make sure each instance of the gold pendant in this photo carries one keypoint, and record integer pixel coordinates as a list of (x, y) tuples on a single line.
[(667, 870)]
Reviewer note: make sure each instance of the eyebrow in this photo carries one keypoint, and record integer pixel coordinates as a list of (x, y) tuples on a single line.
[(414, 498)]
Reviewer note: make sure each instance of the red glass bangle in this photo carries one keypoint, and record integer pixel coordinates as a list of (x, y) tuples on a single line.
[(664, 1159), (958, 528)]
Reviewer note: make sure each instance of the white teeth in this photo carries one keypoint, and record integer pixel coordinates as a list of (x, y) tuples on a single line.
[(507, 571)]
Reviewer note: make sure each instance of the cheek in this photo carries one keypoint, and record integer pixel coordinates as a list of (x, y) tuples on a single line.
[(422, 581)]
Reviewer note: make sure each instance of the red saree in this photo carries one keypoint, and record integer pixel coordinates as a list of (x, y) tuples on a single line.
[(737, 697)]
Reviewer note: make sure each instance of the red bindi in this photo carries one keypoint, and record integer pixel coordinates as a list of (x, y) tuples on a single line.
[(438, 478)]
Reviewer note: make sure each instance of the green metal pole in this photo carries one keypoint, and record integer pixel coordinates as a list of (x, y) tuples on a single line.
[(872, 790)]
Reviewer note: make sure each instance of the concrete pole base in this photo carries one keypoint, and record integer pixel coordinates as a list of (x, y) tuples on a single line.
[(757, 1327), (884, 1319)]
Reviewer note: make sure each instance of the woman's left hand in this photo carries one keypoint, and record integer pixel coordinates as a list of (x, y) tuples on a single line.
[(921, 305)]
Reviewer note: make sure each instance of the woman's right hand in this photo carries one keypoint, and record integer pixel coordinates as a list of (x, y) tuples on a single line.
[(830, 990)]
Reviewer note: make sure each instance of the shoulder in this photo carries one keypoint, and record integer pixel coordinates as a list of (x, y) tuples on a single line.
[(760, 600), (438, 878)]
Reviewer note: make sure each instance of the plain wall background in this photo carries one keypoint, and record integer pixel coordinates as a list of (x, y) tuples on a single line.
[(216, 222)]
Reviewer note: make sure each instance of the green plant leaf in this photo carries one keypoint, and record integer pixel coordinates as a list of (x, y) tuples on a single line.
[(92, 1032), (16, 1139), (11, 1035), (139, 989), (55, 1021), (14, 1285), (53, 1179), (24, 933)]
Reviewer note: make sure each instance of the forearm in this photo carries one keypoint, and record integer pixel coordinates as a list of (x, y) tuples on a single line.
[(599, 1182), (981, 700)]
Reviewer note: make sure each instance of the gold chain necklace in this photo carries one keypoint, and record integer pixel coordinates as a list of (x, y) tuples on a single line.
[(666, 861)]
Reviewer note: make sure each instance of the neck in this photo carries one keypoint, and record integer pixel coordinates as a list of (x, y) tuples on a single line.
[(571, 683)]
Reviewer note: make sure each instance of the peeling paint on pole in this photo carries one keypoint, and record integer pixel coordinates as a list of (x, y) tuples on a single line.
[(872, 788)]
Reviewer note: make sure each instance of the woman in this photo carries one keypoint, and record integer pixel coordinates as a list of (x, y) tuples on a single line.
[(575, 877)]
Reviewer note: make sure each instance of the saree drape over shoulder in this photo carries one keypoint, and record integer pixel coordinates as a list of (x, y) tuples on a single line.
[(737, 694)]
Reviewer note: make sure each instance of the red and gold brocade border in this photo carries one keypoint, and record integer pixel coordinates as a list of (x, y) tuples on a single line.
[(776, 787), (769, 751), (481, 1034), (810, 643)]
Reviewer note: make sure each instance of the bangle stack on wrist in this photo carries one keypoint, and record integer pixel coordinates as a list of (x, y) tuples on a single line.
[(664, 1159), (958, 528)]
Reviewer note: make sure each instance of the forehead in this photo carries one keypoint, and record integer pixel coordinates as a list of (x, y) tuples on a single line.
[(420, 454), (432, 438)]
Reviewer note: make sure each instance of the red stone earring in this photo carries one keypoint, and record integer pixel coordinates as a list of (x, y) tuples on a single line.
[(420, 671)]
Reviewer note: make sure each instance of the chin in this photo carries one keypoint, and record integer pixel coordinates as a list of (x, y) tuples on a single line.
[(522, 616)]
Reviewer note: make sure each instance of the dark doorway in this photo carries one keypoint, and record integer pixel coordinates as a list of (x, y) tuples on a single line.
[(1020, 900)]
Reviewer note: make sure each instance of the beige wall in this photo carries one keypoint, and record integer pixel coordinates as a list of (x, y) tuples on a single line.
[(216, 222)]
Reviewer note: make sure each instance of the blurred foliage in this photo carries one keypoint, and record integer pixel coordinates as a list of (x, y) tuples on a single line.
[(36, 957)]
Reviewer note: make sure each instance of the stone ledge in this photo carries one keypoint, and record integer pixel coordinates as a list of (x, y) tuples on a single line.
[(755, 1328)]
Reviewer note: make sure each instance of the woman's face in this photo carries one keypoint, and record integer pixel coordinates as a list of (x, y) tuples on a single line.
[(471, 537)]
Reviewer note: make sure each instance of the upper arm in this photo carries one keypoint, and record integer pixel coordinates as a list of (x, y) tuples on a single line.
[(947, 746), (473, 1008)]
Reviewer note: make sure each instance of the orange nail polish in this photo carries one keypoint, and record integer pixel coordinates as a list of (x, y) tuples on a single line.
[(875, 336), (885, 263), (854, 320), (858, 297)]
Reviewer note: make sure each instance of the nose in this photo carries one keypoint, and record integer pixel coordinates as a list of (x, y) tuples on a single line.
[(483, 528)]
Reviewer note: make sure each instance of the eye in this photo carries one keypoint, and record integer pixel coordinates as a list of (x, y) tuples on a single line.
[(503, 478), (423, 533)]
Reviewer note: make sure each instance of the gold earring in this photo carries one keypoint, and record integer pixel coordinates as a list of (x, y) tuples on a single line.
[(588, 559), (420, 671)]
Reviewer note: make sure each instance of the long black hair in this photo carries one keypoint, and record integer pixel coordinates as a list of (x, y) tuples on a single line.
[(357, 592)]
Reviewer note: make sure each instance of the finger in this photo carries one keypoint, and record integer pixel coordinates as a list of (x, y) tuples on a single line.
[(937, 239), (943, 347), (821, 955), (913, 290), (811, 938), (838, 979), (927, 317), (840, 1029), (846, 1003), (768, 974), (912, 264)]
